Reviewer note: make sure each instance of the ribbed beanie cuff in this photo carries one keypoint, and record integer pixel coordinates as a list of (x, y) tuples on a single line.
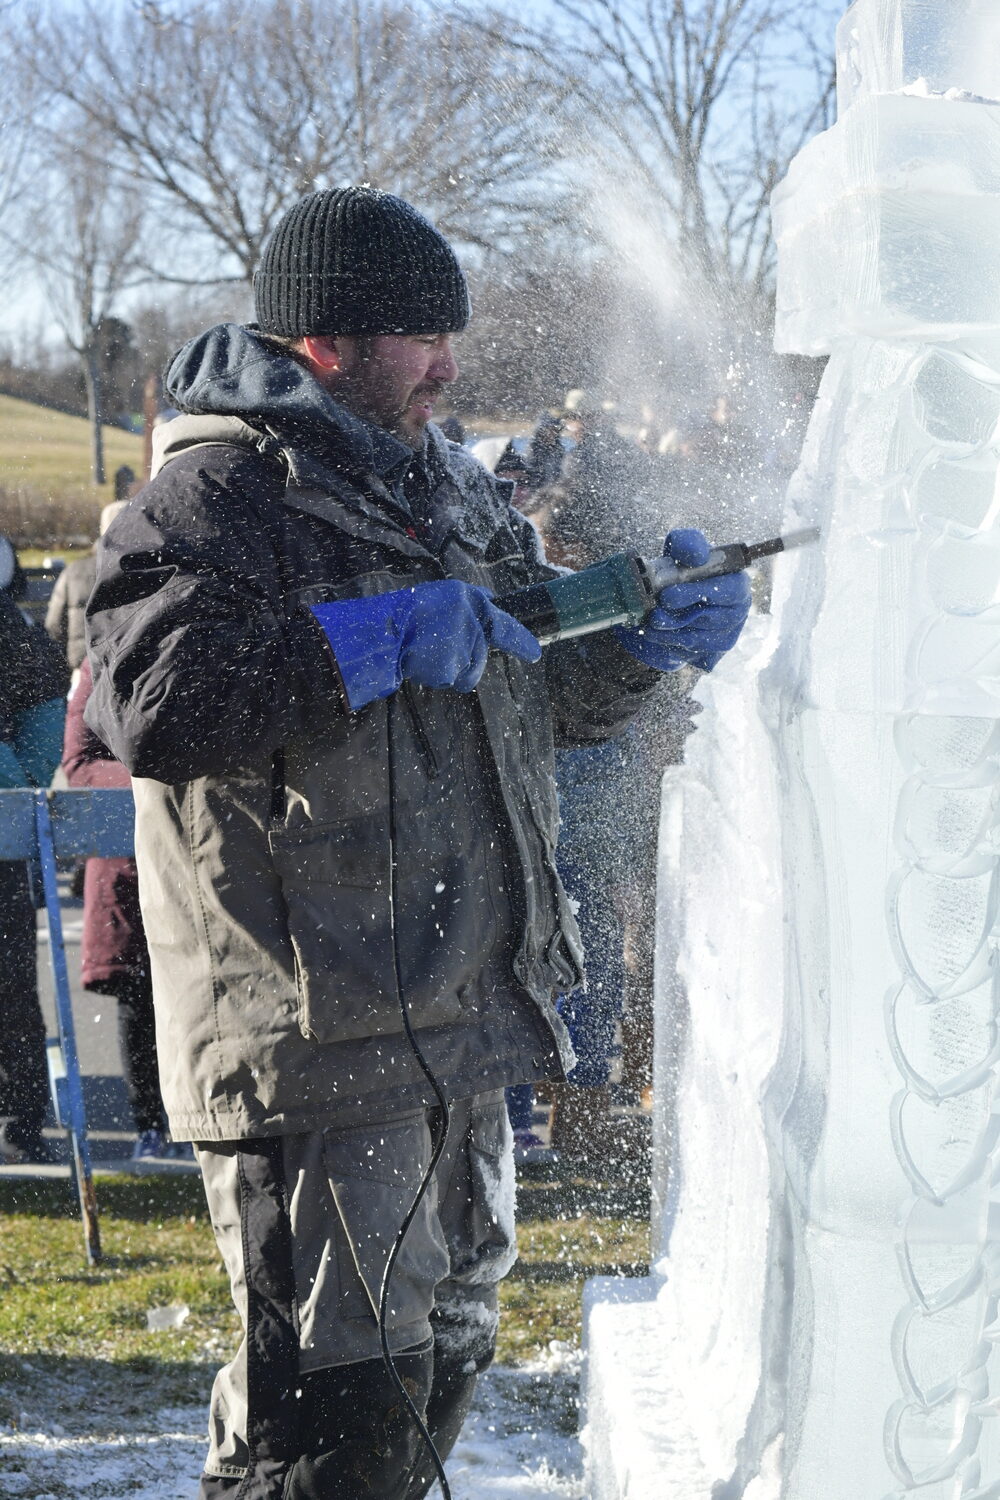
[(358, 261)]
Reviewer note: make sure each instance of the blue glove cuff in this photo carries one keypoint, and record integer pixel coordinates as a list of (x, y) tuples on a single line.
[(437, 634), (365, 638)]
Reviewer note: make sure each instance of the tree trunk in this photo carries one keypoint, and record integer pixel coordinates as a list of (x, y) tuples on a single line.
[(360, 95), (92, 379), (150, 412)]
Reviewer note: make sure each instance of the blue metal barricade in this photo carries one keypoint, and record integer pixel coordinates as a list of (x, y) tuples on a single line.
[(43, 827)]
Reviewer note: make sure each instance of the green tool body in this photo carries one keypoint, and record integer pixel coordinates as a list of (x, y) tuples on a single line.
[(622, 590)]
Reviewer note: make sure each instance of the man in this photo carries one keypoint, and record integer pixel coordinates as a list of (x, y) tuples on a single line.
[(511, 466), (33, 682), (65, 617), (114, 959), (344, 813)]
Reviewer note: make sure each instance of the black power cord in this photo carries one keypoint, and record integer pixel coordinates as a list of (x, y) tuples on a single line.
[(442, 1134)]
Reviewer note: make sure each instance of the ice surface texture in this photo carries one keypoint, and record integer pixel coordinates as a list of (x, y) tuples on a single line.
[(887, 45), (886, 686), (905, 442), (833, 1277), (898, 208), (887, 697), (674, 1362)]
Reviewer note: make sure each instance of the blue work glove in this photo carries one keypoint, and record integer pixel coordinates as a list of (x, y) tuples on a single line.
[(436, 634), (693, 624)]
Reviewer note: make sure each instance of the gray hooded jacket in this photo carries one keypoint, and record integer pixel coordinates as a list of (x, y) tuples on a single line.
[(304, 870)]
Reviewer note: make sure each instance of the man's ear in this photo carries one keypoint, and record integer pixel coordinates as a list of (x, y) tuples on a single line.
[(322, 353)]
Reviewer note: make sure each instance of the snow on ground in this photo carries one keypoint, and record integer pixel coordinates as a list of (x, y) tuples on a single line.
[(519, 1442)]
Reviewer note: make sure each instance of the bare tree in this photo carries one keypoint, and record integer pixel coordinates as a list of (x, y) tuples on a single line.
[(89, 255), (701, 103), (220, 131), (16, 107)]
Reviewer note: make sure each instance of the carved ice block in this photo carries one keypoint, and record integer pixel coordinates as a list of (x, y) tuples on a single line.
[(888, 225), (907, 597), (889, 259), (887, 45)]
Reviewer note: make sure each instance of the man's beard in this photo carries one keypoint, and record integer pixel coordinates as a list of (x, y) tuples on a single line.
[(413, 436)]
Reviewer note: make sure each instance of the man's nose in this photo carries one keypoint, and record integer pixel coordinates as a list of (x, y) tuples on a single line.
[(444, 365)]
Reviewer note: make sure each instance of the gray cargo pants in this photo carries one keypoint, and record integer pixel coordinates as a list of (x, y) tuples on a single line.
[(305, 1224)]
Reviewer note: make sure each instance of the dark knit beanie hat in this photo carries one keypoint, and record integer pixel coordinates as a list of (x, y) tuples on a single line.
[(356, 260)]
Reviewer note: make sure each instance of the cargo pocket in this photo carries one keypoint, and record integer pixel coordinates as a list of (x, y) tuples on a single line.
[(335, 881), (488, 1235), (374, 1173)]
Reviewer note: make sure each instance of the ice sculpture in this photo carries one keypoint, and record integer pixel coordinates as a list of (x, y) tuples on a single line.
[(835, 1338)]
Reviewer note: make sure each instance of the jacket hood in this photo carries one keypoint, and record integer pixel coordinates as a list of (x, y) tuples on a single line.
[(235, 373)]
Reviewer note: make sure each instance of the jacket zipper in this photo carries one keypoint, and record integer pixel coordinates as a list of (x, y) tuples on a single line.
[(278, 797), (431, 762)]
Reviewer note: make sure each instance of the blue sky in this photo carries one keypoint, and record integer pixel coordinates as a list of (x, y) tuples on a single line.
[(24, 304)]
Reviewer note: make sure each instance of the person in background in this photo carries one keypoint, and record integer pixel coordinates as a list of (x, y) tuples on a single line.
[(520, 1099), (510, 465), (114, 956), (608, 797), (616, 489), (33, 682), (546, 450), (124, 484), (453, 430), (65, 618), (66, 613)]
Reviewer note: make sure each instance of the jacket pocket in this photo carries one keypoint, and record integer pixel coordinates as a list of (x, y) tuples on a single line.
[(336, 885), (335, 881)]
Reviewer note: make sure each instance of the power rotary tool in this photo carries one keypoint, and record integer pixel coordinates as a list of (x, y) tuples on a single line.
[(622, 590)]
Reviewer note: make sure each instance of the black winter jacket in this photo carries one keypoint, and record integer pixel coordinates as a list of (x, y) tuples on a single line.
[(65, 618), (292, 854), (32, 668)]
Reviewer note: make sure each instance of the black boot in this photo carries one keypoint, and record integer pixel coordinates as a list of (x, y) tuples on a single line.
[(358, 1439), (450, 1400)]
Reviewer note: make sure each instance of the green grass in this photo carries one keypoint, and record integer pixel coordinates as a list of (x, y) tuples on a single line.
[(49, 452), (158, 1249), (47, 500), (60, 1320), (34, 557)]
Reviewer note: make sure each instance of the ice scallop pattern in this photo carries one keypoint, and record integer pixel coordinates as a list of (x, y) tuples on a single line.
[(887, 694), (888, 677)]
